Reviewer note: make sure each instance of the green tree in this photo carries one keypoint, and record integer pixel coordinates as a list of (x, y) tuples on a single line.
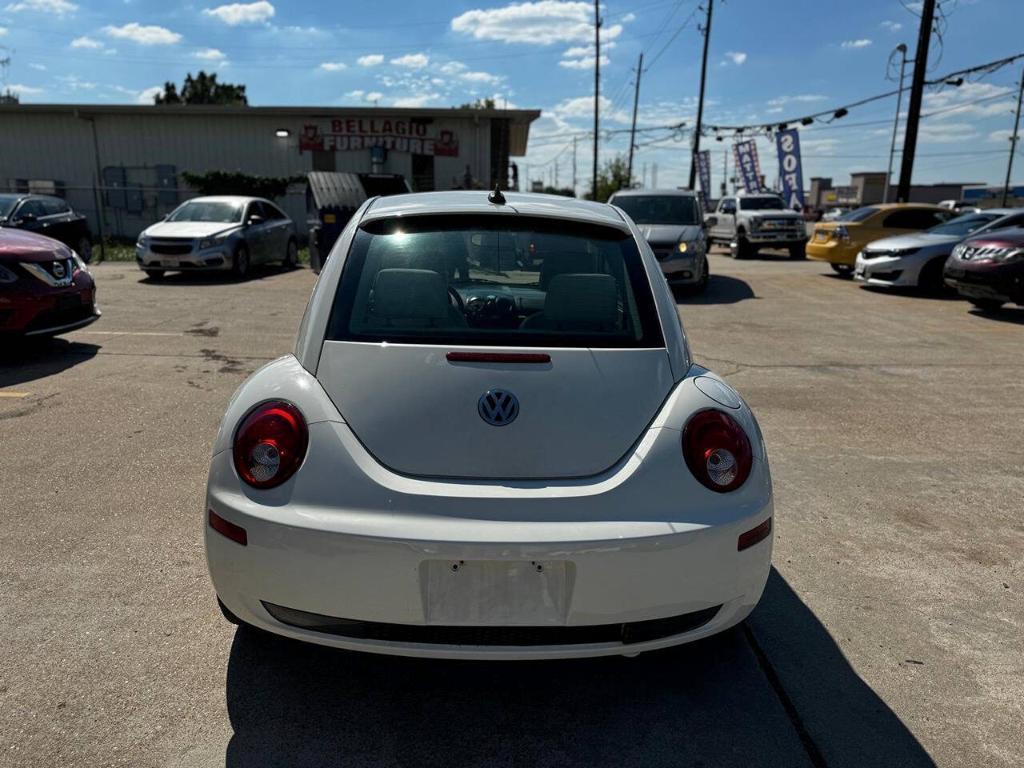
[(237, 183), (478, 104), (610, 179), (202, 89)]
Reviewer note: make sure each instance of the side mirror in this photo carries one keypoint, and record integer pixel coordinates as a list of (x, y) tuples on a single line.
[(710, 221), (26, 218), (254, 220)]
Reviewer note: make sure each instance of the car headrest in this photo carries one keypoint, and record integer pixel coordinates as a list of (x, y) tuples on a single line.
[(561, 262), (585, 301), (409, 294)]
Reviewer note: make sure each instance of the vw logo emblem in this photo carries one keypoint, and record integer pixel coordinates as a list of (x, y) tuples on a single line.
[(498, 407), (58, 270)]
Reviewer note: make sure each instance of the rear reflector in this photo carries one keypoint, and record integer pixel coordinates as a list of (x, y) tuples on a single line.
[(754, 535), (234, 532), (497, 357)]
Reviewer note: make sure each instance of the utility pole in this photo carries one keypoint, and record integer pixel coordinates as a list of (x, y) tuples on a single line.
[(556, 173), (902, 48), (632, 132), (725, 171), (1013, 140), (597, 90), (924, 37), (574, 166), (700, 100)]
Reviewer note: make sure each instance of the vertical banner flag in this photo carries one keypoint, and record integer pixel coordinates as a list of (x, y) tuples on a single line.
[(745, 155), (790, 171), (704, 169)]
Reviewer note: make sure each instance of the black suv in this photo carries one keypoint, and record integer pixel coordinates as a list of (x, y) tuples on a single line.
[(47, 215)]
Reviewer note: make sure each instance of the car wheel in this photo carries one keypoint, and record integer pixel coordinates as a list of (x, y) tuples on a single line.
[(240, 265), (291, 255), (154, 274), (987, 305), (843, 270), (930, 278), (798, 251), (739, 248), (84, 249), (705, 277)]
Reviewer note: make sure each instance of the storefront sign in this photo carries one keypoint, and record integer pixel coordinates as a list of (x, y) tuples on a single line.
[(745, 155), (790, 172), (400, 135)]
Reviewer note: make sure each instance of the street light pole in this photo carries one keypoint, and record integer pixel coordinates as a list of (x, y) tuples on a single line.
[(597, 90), (1013, 140), (902, 48)]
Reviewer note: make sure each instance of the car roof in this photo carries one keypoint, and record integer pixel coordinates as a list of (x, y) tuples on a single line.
[(476, 202), (1012, 234), (654, 193), (755, 194), (225, 199), (892, 206)]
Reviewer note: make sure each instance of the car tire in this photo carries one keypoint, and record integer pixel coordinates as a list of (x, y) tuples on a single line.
[(84, 249), (987, 305), (291, 255), (240, 263), (843, 270), (798, 252), (740, 248), (154, 274), (930, 277), (705, 277)]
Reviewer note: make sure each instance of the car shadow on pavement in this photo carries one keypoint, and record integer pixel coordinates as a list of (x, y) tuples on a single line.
[(262, 272), (1004, 315), (721, 289), (717, 702), (27, 360)]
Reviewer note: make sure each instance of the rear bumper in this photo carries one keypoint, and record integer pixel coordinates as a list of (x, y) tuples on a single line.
[(365, 549), (832, 251)]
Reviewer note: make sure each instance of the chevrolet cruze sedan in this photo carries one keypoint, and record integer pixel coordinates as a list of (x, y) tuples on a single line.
[(467, 458), (224, 233)]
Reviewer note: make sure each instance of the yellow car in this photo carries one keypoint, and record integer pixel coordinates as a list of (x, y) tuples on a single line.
[(838, 242)]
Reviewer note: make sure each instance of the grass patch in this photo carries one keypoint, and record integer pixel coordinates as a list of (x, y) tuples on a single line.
[(117, 251)]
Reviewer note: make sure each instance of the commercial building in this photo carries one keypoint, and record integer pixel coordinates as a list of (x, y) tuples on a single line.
[(127, 161), (868, 188)]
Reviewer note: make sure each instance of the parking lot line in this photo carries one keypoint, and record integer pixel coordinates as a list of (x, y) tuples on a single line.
[(134, 333), (12, 393)]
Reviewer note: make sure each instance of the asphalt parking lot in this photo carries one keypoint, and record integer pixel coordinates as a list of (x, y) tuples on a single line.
[(891, 633)]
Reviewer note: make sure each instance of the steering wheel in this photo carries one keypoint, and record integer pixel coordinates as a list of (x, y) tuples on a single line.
[(455, 299)]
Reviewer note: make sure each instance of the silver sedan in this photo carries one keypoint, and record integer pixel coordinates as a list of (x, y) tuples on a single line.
[(227, 233)]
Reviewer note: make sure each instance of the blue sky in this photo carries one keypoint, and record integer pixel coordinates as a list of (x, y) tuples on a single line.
[(768, 62)]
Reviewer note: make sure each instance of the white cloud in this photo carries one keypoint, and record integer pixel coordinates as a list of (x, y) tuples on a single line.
[(55, 7), (543, 22), (861, 43), (735, 57), (357, 94), (374, 96), (479, 77), (780, 101), (583, 106), (40, 67), (370, 60), (584, 63), (86, 42), (72, 82), (146, 95), (210, 54), (452, 67), (143, 34), (891, 26), (1001, 136), (946, 133), (333, 66), (24, 90), (412, 61), (235, 14), (3, 31), (970, 99), (413, 101), (628, 17)]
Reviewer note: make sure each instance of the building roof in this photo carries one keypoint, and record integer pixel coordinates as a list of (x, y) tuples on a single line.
[(519, 119)]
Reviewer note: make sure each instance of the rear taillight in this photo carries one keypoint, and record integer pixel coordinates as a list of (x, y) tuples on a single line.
[(717, 450), (270, 444)]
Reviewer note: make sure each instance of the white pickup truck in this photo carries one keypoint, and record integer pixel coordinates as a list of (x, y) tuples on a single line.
[(747, 222)]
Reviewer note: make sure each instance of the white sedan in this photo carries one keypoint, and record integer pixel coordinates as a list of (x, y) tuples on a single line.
[(490, 442)]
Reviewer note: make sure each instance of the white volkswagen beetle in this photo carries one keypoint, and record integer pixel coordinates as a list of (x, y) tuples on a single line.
[(490, 442)]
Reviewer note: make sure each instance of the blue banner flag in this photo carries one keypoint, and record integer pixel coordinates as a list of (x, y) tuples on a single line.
[(745, 155), (790, 172), (704, 171)]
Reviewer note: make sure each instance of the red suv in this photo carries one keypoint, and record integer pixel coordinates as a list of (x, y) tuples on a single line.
[(45, 288), (988, 270)]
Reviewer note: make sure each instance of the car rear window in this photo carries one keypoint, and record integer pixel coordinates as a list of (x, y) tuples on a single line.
[(497, 280)]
